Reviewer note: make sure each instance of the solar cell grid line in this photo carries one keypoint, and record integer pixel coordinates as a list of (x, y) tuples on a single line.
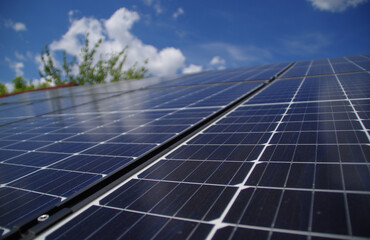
[(319, 118), (320, 67), (136, 100), (298, 70), (353, 108), (219, 225), (81, 90), (190, 109), (348, 67), (356, 64), (107, 140), (46, 166), (46, 111), (263, 72), (362, 61), (59, 99)]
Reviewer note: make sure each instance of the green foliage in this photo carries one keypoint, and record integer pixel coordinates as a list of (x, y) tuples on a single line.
[(42, 85), (21, 85), (135, 73), (68, 67), (50, 72), (91, 69), (3, 89)]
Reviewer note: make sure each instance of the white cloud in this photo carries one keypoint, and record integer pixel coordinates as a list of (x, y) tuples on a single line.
[(156, 4), (17, 67), (37, 82), (16, 26), (71, 14), (192, 68), (179, 12), (9, 87), (335, 5), (306, 44), (116, 35), (217, 61), (19, 56), (29, 54)]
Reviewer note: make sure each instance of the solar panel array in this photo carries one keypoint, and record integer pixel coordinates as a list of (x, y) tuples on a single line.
[(291, 161)]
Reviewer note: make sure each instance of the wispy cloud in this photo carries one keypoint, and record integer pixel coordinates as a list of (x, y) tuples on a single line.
[(71, 14), (335, 5), (17, 67), (16, 26), (306, 44), (247, 54), (178, 13), (19, 56), (156, 4)]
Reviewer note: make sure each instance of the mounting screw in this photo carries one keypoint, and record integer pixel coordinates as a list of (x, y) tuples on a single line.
[(43, 218)]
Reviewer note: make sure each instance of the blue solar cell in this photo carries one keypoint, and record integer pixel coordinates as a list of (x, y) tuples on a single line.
[(296, 71), (358, 205), (92, 164), (326, 207), (55, 182), (129, 225), (20, 204), (294, 211), (251, 213), (346, 67), (120, 149), (65, 147), (4, 144), (8, 154), (240, 233), (29, 145), (142, 138), (9, 173), (37, 159)]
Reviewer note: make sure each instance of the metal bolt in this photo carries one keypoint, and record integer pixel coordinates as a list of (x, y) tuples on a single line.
[(43, 218)]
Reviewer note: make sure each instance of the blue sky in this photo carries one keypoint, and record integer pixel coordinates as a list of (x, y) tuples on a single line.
[(183, 36)]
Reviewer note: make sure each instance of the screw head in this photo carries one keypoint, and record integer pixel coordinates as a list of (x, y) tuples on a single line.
[(43, 218)]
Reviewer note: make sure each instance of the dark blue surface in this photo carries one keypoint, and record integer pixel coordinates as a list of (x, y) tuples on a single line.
[(291, 162), (94, 131), (17, 205), (114, 224)]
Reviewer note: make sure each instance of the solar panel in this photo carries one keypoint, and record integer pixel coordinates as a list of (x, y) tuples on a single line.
[(323, 67), (54, 152), (271, 160)]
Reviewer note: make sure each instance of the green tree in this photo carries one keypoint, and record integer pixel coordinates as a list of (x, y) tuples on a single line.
[(42, 85), (19, 84), (3, 89), (91, 69)]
